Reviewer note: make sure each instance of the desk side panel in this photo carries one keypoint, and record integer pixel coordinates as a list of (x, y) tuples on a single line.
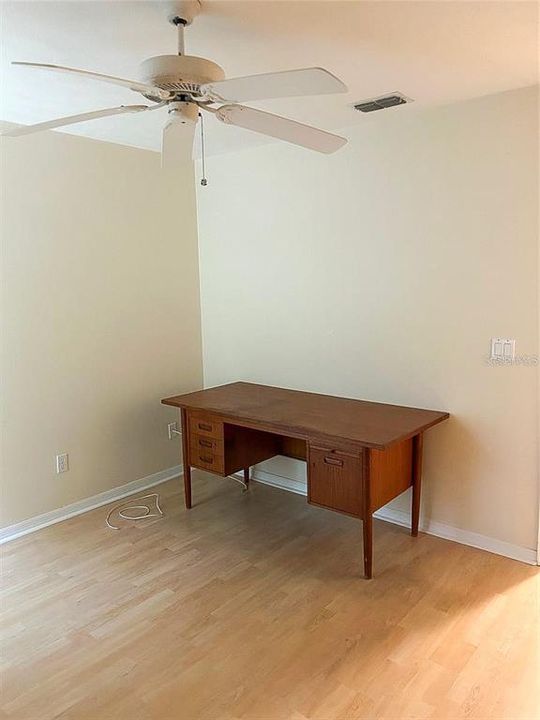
[(390, 472)]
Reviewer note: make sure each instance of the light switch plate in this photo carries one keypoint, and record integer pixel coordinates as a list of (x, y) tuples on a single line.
[(503, 349)]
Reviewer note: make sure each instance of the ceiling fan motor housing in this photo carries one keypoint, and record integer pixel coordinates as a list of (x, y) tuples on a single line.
[(182, 74)]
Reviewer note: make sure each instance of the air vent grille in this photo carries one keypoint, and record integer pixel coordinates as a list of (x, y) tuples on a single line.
[(381, 103)]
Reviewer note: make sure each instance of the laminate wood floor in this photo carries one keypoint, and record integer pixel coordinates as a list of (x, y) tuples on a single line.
[(252, 607)]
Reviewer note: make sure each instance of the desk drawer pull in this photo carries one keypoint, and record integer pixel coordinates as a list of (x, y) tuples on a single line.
[(206, 443), (329, 460), (205, 426), (206, 459)]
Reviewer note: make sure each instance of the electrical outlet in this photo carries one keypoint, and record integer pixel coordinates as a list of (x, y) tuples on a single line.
[(62, 463), (172, 429)]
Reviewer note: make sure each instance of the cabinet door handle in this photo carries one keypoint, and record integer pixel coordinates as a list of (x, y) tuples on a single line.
[(206, 459), (329, 460), (205, 443), (205, 426)]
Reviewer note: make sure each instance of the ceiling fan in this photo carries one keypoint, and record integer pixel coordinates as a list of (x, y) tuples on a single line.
[(185, 85)]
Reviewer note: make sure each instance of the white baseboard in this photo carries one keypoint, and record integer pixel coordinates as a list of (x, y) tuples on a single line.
[(465, 537), (398, 517), (279, 481), (81, 506), (430, 527)]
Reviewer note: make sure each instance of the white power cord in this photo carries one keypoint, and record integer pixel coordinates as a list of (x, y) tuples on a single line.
[(134, 504)]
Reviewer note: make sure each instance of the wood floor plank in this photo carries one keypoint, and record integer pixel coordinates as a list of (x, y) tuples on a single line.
[(253, 607)]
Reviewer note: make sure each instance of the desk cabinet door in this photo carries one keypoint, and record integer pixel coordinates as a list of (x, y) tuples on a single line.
[(335, 480)]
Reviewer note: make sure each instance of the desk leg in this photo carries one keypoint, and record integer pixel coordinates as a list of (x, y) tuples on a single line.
[(185, 459), (368, 546), (246, 478), (418, 443), (368, 518)]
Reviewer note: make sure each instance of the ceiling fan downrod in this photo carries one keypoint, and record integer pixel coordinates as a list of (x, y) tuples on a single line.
[(182, 14), (180, 24)]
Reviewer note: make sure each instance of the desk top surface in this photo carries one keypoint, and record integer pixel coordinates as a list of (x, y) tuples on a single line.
[(314, 416)]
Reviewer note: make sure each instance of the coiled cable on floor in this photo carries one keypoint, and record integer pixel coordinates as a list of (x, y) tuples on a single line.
[(135, 504)]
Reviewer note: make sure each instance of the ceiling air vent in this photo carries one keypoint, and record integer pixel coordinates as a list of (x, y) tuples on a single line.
[(381, 102)]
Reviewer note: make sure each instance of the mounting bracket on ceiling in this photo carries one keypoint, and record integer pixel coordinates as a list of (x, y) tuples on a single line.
[(182, 14), (183, 11)]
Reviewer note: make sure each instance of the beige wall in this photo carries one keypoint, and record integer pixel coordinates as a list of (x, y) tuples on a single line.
[(382, 272), (100, 316)]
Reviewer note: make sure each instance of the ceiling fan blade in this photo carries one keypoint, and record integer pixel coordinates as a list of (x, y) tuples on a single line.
[(144, 88), (280, 128), (83, 117), (177, 143), (289, 83)]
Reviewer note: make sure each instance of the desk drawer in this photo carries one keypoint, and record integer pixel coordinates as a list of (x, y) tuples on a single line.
[(204, 444), (202, 424), (335, 480), (207, 454)]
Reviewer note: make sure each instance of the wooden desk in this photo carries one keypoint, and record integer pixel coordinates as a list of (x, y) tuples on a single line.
[(360, 454)]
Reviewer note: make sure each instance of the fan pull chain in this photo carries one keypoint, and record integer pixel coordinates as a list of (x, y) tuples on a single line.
[(204, 181)]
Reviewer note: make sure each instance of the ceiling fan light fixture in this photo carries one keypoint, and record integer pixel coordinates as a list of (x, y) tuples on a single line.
[(184, 112)]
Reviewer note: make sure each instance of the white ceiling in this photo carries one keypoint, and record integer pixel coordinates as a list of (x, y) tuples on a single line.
[(434, 52)]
